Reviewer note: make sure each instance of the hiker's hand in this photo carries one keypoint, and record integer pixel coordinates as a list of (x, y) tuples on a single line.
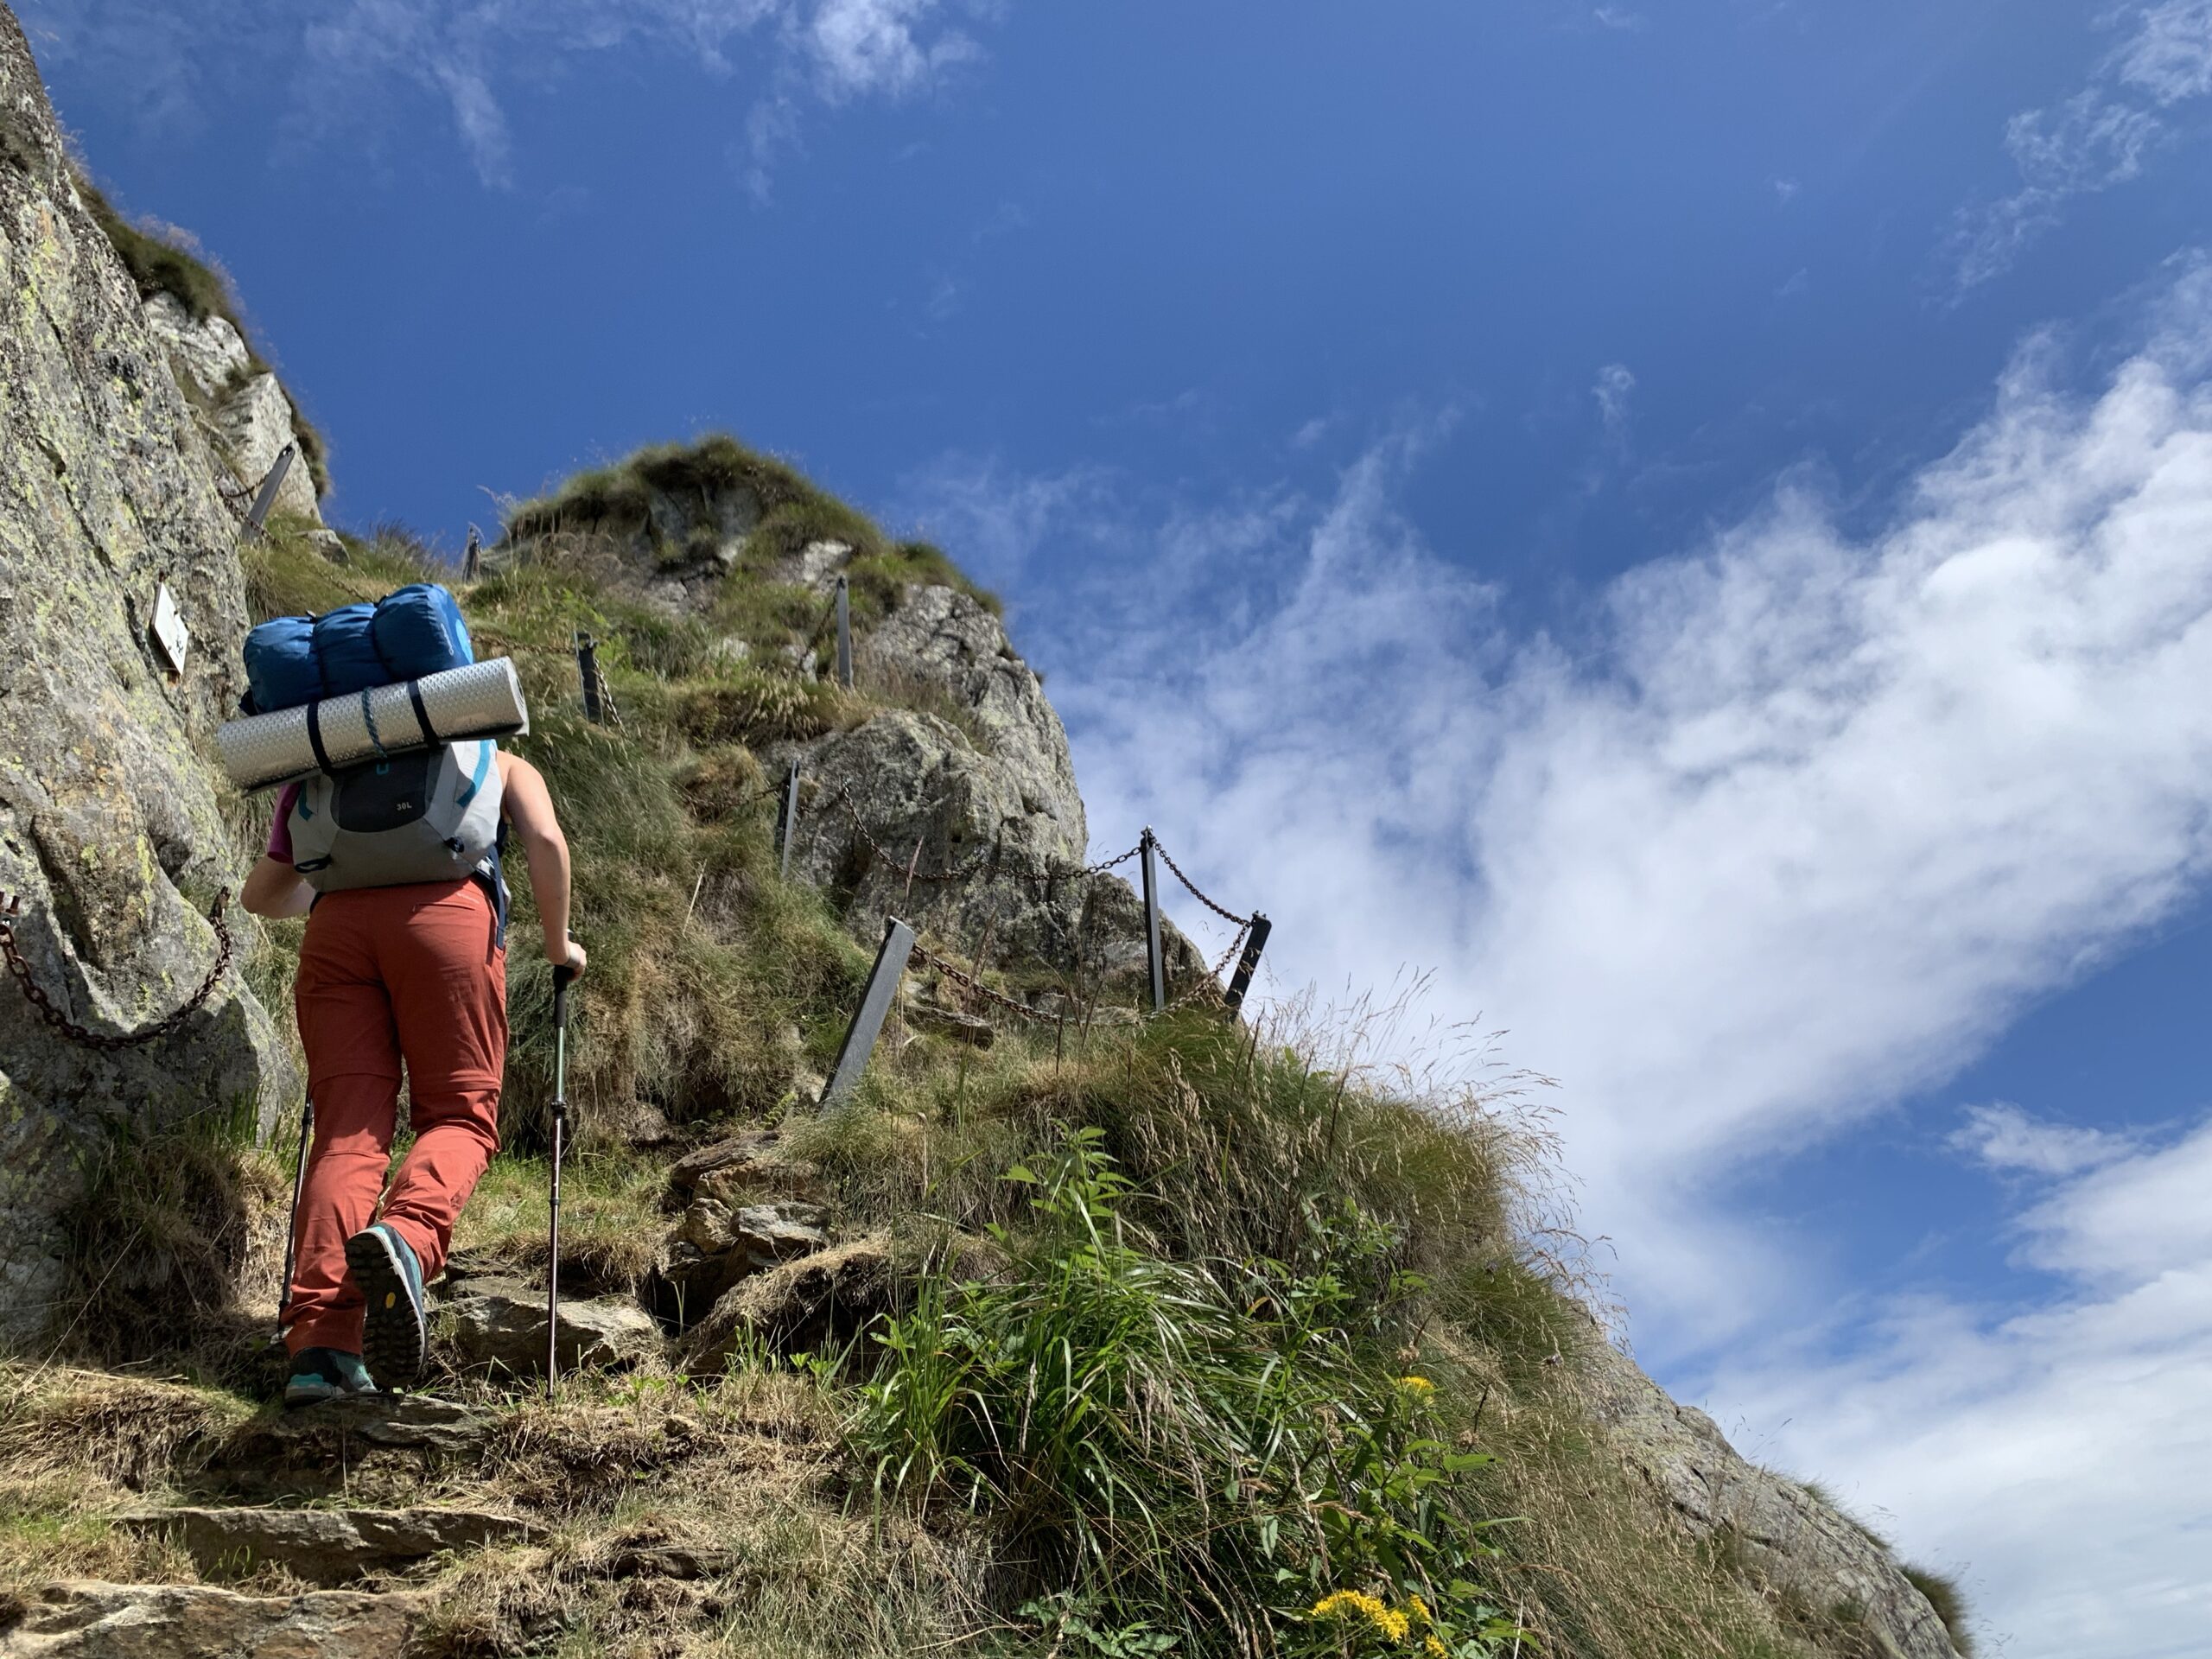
[(577, 961)]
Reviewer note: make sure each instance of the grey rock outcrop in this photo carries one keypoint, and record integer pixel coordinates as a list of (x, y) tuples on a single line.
[(110, 829), (248, 413), (915, 780), (718, 1243), (1789, 1539), (327, 1546), (497, 1325), (943, 639), (88, 1619)]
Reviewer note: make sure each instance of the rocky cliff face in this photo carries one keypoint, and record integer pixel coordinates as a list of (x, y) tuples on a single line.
[(992, 797), (110, 829), (1801, 1552), (967, 773), (245, 412)]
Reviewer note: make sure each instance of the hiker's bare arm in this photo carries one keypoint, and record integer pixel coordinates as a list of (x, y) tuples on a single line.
[(274, 889), (529, 808)]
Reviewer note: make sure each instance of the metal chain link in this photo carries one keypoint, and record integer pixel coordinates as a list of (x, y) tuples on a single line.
[(921, 955), (961, 871), (959, 874), (109, 1040), (1225, 915), (1211, 982)]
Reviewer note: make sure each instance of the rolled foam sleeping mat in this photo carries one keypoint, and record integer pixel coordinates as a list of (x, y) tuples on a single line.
[(482, 700)]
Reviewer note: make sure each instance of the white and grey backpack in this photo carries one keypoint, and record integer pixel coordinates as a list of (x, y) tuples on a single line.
[(426, 814)]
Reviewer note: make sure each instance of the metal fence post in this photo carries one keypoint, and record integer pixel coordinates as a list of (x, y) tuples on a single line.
[(788, 830), (265, 498), (1152, 923), (472, 556), (844, 634), (587, 665), (1248, 963), (875, 1003)]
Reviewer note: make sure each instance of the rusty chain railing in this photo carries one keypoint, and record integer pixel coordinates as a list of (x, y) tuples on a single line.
[(1226, 914), (1047, 873), (102, 1039), (1202, 985), (923, 956)]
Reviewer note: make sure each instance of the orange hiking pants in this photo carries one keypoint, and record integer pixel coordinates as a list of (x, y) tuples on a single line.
[(416, 973)]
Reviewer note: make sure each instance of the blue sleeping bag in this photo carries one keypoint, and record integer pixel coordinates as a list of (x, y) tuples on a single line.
[(293, 660)]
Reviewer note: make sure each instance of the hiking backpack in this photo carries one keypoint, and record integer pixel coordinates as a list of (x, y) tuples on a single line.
[(426, 814), (292, 661)]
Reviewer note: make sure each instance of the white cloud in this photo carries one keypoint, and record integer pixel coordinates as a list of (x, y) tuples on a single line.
[(1611, 390), (343, 58), (2100, 138), (1796, 827), (1785, 190), (1617, 18), (2002, 1137), (2055, 1457)]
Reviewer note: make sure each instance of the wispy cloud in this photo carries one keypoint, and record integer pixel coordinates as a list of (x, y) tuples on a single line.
[(1618, 18), (1785, 190), (1794, 828), (2101, 137), (2002, 1137), (343, 58)]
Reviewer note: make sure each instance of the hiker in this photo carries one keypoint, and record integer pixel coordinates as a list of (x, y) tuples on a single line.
[(414, 972)]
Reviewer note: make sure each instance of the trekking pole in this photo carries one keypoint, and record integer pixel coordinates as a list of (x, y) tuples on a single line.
[(562, 976), (292, 1226)]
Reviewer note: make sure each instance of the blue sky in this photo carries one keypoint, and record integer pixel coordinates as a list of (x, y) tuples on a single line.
[(1693, 523)]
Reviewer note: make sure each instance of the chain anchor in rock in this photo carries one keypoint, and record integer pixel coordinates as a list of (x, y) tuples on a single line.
[(108, 1042)]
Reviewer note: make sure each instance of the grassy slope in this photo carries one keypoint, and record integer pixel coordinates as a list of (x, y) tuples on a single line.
[(1290, 1241)]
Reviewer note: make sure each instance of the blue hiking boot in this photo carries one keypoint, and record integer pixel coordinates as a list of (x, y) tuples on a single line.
[(391, 1280), (320, 1373)]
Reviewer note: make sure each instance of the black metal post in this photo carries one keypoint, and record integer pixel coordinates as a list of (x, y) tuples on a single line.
[(587, 665), (1247, 964), (265, 498), (1152, 923), (788, 830), (844, 634), (876, 1003)]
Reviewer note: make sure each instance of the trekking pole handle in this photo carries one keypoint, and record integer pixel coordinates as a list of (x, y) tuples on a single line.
[(563, 974)]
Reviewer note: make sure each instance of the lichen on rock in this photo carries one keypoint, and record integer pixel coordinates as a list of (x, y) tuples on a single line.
[(110, 828)]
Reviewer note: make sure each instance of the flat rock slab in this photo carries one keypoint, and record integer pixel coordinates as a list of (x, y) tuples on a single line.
[(498, 1324), (402, 1421), (328, 1546), (88, 1619)]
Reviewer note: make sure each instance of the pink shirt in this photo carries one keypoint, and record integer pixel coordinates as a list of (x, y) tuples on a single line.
[(280, 827)]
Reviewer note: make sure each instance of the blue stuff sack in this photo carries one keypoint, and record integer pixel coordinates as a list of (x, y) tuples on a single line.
[(291, 661)]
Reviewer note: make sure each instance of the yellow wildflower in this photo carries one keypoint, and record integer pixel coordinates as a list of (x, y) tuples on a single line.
[(1420, 1387), (1434, 1649), (1342, 1603), (1419, 1609)]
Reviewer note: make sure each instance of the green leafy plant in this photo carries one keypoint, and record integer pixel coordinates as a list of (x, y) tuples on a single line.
[(1204, 1450)]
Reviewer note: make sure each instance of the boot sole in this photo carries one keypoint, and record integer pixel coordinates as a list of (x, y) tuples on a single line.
[(392, 1337)]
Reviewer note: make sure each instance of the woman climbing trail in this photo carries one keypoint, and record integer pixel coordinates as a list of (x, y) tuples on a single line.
[(413, 972)]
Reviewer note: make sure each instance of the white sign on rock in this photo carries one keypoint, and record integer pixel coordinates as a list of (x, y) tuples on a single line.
[(169, 632)]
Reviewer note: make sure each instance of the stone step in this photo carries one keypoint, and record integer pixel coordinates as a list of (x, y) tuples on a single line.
[(89, 1619), (329, 1546), (497, 1325)]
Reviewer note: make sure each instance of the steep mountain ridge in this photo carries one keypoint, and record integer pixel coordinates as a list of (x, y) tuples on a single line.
[(718, 1477)]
